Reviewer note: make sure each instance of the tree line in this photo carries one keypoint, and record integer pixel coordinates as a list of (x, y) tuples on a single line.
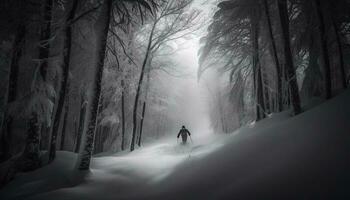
[(277, 54), (87, 69)]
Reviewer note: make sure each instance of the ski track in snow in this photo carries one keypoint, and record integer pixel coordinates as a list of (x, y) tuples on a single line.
[(304, 157), (116, 175)]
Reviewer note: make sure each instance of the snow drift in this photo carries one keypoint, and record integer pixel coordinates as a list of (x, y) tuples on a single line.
[(303, 157)]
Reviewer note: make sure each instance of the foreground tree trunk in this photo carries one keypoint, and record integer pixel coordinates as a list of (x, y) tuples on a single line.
[(31, 153), (141, 124), (65, 118), (144, 107), (64, 80), (341, 54), (290, 71), (275, 58), (102, 26), (44, 50), (312, 83), (6, 124), (325, 55), (82, 114), (260, 105)]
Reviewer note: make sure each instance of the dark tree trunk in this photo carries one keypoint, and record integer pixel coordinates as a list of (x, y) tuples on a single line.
[(64, 80), (82, 114), (75, 132), (144, 104), (134, 128), (275, 58), (312, 84), (341, 55), (65, 119), (6, 126), (141, 124), (260, 96), (266, 93), (31, 153), (260, 107), (102, 24), (14, 68), (97, 141), (123, 116), (325, 55), (44, 50), (44, 138), (290, 71)]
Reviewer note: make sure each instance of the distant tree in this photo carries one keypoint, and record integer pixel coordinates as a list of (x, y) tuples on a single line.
[(234, 44), (170, 23)]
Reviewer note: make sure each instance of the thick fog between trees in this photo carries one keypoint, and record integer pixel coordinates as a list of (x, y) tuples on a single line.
[(174, 99)]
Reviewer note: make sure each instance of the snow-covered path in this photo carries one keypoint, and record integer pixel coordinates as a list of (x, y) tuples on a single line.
[(304, 157), (123, 175), (132, 175)]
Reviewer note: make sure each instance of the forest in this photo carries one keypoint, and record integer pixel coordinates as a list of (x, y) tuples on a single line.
[(95, 95)]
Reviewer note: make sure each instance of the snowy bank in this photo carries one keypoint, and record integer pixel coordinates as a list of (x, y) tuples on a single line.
[(303, 157), (57, 175)]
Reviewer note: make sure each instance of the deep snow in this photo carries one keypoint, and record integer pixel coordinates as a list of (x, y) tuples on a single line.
[(303, 157)]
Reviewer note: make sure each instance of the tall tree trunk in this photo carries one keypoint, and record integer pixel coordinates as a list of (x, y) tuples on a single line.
[(325, 55), (144, 106), (123, 116), (260, 96), (134, 128), (275, 58), (312, 84), (141, 124), (266, 93), (341, 55), (31, 153), (64, 80), (44, 138), (82, 114), (65, 118), (97, 141), (6, 124), (290, 71), (102, 34), (260, 107), (44, 50)]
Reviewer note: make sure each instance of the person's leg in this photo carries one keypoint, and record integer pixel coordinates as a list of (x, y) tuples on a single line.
[(184, 139)]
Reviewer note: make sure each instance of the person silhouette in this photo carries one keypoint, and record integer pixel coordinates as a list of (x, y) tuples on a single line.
[(183, 132)]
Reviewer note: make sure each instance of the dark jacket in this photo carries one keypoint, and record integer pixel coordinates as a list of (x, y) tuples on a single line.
[(183, 132)]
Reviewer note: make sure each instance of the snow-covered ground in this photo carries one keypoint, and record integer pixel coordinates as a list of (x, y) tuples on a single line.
[(303, 157)]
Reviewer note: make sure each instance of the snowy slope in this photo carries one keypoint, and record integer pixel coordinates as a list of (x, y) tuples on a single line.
[(304, 157)]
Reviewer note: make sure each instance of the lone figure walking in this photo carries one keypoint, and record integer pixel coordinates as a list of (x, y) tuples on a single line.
[(183, 132)]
